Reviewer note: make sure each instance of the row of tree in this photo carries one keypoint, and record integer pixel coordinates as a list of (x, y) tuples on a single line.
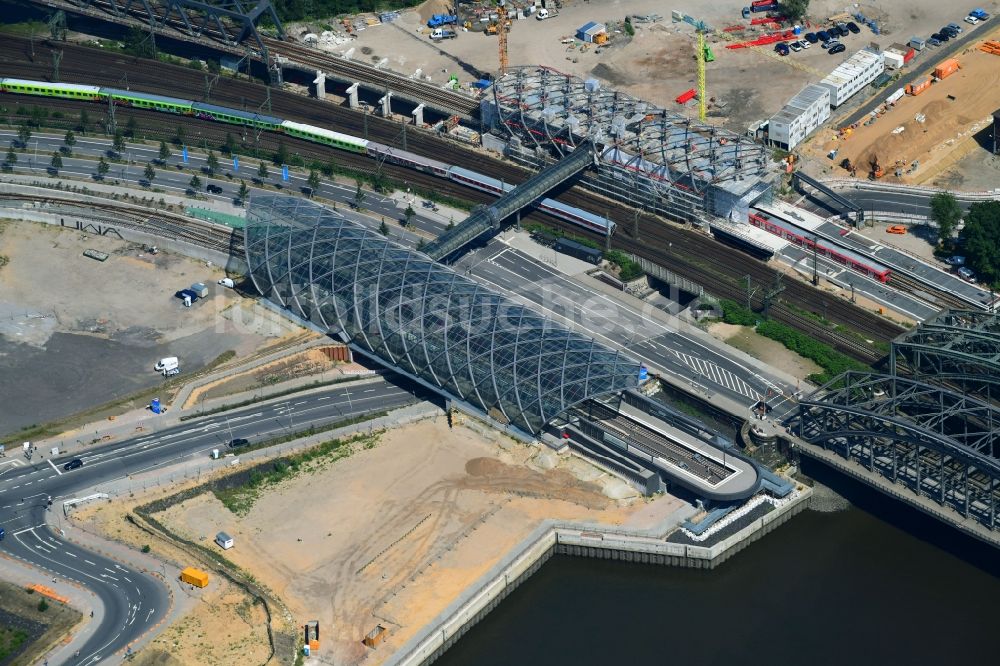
[(978, 239)]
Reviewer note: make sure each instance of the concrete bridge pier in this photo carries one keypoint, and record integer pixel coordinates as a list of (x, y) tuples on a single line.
[(320, 82), (352, 95), (418, 115), (386, 103)]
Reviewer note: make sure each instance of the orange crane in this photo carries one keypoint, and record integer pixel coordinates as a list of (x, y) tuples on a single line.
[(502, 43)]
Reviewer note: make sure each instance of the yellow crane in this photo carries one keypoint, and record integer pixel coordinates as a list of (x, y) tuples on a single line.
[(704, 54)]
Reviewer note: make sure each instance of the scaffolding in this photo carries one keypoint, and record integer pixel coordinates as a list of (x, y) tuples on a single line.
[(657, 159)]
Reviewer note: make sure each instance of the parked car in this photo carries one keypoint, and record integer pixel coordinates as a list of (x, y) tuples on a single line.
[(948, 31), (853, 27), (943, 36), (956, 260), (971, 20), (896, 229), (238, 442), (214, 189), (781, 48), (795, 46), (823, 36), (837, 48), (811, 37), (954, 26), (839, 30), (934, 41), (804, 43), (171, 372), (73, 464), (966, 274)]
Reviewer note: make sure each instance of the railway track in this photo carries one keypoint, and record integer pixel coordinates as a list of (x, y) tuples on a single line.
[(681, 250), (121, 214), (927, 293)]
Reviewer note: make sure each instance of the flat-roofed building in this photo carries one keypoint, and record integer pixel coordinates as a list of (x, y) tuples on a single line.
[(852, 75), (799, 117)]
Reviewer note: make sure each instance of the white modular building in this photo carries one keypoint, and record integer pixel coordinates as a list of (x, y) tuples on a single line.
[(799, 117), (852, 75)]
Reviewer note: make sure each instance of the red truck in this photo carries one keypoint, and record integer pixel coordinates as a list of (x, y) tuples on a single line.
[(763, 5)]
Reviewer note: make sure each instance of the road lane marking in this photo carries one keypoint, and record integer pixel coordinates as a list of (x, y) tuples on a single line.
[(90, 563), (70, 554), (54, 467)]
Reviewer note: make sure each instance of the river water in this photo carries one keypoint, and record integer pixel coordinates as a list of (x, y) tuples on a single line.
[(872, 583)]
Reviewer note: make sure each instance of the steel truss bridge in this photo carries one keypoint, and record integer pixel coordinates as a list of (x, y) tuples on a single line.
[(940, 444), (960, 348)]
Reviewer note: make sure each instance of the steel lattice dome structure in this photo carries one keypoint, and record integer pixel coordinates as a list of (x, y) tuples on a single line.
[(424, 319)]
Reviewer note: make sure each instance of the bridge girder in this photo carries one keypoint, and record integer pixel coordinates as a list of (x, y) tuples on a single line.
[(941, 444)]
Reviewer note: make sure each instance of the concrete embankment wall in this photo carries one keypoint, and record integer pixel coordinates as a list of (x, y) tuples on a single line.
[(553, 538)]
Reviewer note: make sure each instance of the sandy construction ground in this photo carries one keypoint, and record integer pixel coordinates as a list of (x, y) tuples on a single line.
[(931, 128), (395, 532), (657, 64)]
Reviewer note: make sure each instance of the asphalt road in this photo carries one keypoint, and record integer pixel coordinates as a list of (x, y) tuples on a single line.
[(619, 325), (135, 602)]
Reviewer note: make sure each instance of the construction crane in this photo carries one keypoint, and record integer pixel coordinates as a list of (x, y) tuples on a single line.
[(700, 55), (502, 42)]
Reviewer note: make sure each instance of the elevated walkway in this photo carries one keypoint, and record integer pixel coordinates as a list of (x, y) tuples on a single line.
[(487, 219), (845, 205)]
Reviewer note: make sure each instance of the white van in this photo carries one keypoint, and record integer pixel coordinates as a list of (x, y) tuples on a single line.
[(542, 14), (167, 364)]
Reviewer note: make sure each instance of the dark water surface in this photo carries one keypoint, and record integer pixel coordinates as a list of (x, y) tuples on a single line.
[(826, 588)]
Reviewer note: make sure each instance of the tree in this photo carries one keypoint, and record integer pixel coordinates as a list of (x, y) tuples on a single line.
[(56, 162), (24, 134), (794, 9), (383, 228), (179, 136), (946, 212), (11, 156), (408, 215), (102, 167), (229, 147), (421, 244), (195, 183), (164, 151), (70, 138), (149, 173), (313, 179), (262, 171), (359, 196), (244, 191), (281, 155), (84, 121), (211, 163), (131, 126), (980, 234), (118, 142)]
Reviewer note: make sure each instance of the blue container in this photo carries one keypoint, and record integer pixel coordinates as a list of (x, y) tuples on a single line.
[(154, 406), (797, 30), (643, 373)]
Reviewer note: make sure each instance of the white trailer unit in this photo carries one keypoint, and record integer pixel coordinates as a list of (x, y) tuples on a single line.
[(852, 75), (799, 117)]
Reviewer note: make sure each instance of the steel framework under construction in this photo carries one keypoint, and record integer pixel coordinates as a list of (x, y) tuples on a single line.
[(650, 158)]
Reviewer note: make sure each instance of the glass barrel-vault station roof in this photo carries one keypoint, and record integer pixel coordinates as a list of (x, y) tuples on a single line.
[(424, 318)]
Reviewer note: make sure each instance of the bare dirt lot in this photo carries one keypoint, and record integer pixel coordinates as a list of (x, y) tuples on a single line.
[(75, 332), (932, 128), (395, 532), (769, 351), (656, 64), (27, 631)]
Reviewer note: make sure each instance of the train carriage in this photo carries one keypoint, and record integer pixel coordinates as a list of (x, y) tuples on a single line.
[(224, 114), (325, 136), (407, 159), (62, 90), (141, 100)]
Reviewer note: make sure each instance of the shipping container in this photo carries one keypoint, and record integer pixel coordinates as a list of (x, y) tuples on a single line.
[(917, 88), (946, 69), (686, 96), (763, 5), (918, 43), (195, 577), (893, 60)]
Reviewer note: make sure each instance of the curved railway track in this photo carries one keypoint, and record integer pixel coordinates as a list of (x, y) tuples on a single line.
[(681, 250)]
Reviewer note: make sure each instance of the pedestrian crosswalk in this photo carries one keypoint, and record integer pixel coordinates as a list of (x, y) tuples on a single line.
[(719, 375)]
